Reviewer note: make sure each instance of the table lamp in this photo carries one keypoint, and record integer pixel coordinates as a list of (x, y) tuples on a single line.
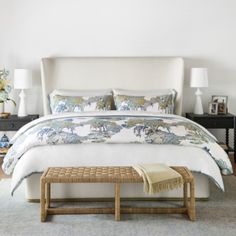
[(199, 79), (22, 80)]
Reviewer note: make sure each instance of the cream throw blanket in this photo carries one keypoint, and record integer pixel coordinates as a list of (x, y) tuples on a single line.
[(158, 177)]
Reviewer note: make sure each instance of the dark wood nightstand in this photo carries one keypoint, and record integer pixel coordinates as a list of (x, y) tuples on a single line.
[(13, 122), (227, 121)]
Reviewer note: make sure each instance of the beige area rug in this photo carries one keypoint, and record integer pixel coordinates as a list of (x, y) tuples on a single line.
[(214, 217)]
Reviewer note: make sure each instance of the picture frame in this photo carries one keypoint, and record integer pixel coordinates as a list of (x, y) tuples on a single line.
[(222, 101), (213, 108), (222, 109)]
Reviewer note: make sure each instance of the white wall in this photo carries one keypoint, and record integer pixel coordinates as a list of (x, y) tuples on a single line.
[(202, 31)]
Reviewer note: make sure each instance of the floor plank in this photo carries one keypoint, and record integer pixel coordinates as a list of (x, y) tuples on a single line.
[(233, 163), (2, 175)]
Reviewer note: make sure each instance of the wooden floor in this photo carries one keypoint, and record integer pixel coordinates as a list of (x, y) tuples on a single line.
[(233, 163), (2, 175)]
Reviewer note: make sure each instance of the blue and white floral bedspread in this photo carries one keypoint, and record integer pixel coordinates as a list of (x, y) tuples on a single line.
[(114, 128)]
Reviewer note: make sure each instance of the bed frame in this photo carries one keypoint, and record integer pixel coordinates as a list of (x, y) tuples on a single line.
[(137, 73)]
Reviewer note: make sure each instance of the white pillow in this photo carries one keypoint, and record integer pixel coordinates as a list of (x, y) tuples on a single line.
[(152, 92), (74, 92)]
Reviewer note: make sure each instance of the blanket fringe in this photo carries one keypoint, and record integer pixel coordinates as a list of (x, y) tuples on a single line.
[(163, 186)]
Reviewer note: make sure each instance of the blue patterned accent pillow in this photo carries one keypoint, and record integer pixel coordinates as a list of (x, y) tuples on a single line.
[(60, 103), (161, 101)]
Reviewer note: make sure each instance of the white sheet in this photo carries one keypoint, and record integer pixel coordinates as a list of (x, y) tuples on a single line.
[(39, 158)]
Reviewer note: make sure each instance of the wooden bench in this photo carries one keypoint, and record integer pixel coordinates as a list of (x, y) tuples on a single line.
[(116, 175)]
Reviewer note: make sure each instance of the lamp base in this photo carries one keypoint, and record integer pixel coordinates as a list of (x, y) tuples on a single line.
[(22, 112), (198, 109)]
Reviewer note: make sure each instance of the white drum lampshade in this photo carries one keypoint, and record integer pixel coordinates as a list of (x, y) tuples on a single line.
[(199, 79), (22, 80)]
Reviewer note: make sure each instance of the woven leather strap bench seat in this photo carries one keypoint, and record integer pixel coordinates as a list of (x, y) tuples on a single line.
[(112, 174)]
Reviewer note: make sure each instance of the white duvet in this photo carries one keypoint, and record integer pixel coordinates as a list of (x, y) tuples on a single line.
[(38, 158)]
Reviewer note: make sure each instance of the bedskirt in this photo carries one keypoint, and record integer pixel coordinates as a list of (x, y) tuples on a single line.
[(40, 158)]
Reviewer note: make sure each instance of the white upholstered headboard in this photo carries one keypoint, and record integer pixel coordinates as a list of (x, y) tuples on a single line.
[(143, 73)]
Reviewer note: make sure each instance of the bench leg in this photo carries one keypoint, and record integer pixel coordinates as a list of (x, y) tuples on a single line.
[(42, 200), (117, 201), (185, 190), (48, 195), (191, 209)]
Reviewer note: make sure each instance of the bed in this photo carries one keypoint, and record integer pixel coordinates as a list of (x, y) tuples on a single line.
[(107, 73)]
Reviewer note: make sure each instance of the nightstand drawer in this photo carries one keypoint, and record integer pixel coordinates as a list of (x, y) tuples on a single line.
[(217, 123), (11, 126), (221, 121)]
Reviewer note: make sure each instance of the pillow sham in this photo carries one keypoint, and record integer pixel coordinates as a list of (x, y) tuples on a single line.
[(161, 101), (78, 101), (88, 93)]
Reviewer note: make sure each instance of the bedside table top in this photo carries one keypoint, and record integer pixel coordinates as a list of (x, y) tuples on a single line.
[(206, 115), (223, 121), (16, 118), (14, 123)]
